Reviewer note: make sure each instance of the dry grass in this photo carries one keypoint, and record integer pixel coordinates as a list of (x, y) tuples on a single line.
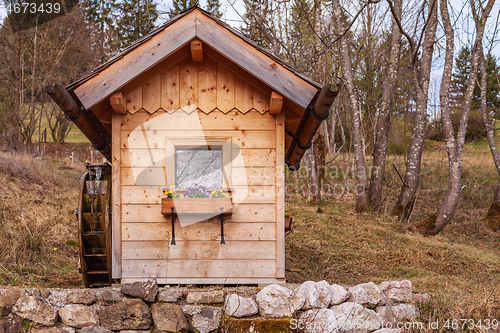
[(37, 226), (460, 267)]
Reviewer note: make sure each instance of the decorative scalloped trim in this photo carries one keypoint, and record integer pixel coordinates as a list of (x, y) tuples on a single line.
[(189, 110), (141, 109)]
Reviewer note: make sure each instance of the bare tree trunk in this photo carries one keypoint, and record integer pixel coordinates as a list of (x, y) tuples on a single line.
[(406, 200), (448, 207), (317, 28), (312, 183), (332, 145), (492, 218), (435, 223), (317, 150), (384, 118), (359, 156), (326, 136)]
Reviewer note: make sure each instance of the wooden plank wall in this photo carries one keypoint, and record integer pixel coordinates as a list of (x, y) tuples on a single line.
[(250, 252), (206, 86)]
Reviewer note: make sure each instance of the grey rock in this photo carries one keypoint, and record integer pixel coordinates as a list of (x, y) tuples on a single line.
[(397, 291), (169, 295), (111, 296), (95, 329), (35, 309), (397, 313), (134, 331), (389, 330), (238, 306), (79, 316), (144, 290), (56, 329), (46, 330), (366, 294), (4, 309), (58, 298), (131, 314), (355, 318), (11, 325), (169, 317), (339, 294), (204, 319), (81, 297), (205, 297), (11, 296), (277, 301), (317, 295), (43, 293), (318, 321)]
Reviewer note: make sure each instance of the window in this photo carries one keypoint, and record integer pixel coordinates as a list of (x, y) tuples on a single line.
[(198, 165), (204, 161)]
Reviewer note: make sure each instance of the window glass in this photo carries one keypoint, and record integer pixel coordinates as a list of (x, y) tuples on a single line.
[(202, 166)]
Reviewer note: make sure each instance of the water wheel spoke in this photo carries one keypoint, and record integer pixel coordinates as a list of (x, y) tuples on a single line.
[(93, 218)]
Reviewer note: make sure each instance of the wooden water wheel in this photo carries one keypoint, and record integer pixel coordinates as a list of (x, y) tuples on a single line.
[(94, 227)]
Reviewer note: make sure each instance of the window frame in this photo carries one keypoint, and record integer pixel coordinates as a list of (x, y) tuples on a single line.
[(179, 142)]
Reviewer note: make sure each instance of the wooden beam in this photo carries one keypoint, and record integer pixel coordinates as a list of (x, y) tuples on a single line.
[(197, 50), (89, 126), (280, 195), (276, 103), (118, 103), (306, 131), (116, 249)]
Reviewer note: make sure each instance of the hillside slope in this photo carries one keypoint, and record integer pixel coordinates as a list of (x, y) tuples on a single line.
[(459, 267), (38, 231)]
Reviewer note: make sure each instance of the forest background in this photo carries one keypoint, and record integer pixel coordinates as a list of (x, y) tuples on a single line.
[(408, 149)]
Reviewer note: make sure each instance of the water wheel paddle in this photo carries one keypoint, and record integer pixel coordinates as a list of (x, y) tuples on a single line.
[(94, 226)]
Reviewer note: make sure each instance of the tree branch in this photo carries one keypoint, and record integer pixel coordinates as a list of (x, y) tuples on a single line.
[(341, 35)]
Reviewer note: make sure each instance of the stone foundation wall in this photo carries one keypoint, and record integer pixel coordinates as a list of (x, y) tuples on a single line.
[(312, 307)]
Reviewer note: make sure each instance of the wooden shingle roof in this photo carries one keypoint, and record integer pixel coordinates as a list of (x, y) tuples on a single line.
[(174, 34), (305, 102)]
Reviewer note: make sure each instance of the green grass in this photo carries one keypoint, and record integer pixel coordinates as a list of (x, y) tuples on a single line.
[(459, 268), (74, 135), (38, 230)]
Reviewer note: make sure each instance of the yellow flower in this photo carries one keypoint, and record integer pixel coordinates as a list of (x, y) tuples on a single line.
[(218, 194), (172, 194)]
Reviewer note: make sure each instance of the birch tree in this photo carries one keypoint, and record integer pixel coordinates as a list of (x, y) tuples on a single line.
[(318, 147), (421, 77), (454, 145), (492, 218), (362, 203), (384, 118)]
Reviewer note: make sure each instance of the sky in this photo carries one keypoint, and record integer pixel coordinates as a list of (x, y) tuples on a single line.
[(229, 11), (464, 28), (232, 9)]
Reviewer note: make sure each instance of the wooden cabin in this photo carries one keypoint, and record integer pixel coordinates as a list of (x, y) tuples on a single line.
[(196, 86)]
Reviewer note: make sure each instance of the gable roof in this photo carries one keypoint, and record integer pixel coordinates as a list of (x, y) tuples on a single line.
[(305, 102), (178, 32)]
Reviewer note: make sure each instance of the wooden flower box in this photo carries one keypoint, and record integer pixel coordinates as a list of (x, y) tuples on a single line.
[(288, 223), (196, 206)]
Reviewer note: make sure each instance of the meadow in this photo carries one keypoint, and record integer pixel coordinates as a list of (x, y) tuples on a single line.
[(459, 268)]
